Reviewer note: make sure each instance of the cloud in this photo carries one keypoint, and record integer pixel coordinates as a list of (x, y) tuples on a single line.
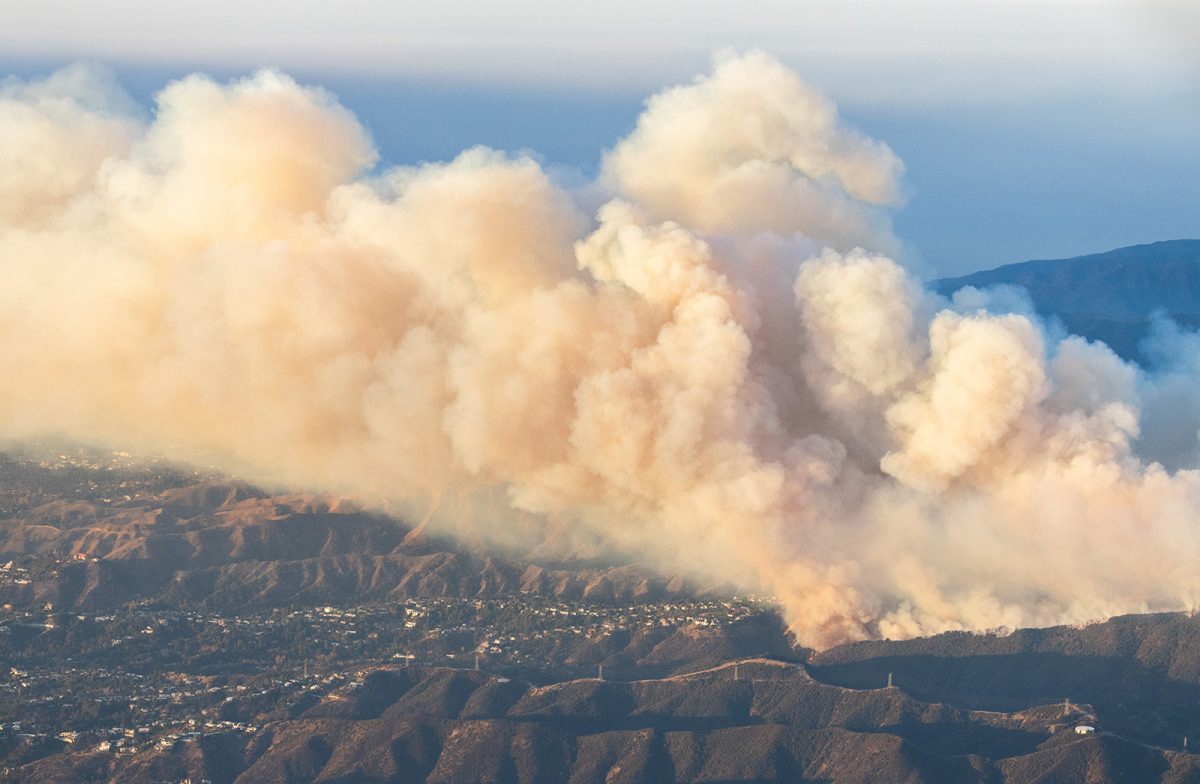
[(752, 148), (720, 373)]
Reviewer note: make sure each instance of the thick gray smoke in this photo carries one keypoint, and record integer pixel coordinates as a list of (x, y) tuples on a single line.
[(721, 370)]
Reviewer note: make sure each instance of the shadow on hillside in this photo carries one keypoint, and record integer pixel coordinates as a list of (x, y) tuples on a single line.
[(973, 738)]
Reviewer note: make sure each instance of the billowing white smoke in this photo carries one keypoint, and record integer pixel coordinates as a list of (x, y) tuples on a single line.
[(718, 372)]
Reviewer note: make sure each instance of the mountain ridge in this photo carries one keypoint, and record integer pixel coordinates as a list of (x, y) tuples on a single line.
[(1112, 296)]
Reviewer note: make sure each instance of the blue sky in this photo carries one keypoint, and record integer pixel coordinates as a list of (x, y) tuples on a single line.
[(1029, 129)]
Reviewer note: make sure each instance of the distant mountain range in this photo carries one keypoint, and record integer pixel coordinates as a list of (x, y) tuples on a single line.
[(1110, 296), (226, 545)]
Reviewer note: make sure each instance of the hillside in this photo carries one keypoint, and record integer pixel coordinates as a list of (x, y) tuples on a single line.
[(207, 629), (754, 720), (1140, 672), (96, 536), (1106, 296)]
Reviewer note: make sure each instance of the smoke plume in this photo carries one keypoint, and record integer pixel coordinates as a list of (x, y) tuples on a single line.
[(721, 371)]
